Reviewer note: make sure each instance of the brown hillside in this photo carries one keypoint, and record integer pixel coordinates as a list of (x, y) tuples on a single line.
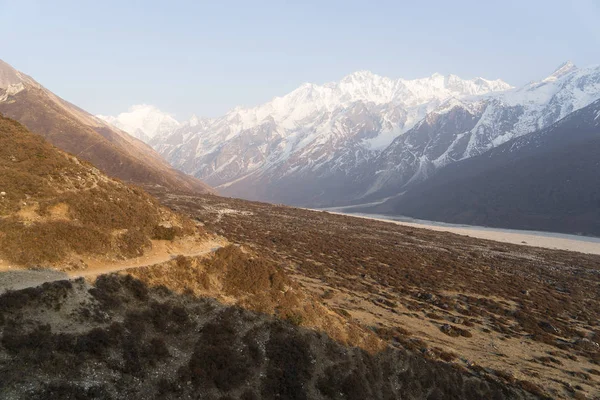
[(120, 339), (76, 131), (522, 315), (53, 207)]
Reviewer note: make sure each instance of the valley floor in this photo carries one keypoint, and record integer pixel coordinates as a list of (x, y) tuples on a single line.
[(547, 240), (523, 315)]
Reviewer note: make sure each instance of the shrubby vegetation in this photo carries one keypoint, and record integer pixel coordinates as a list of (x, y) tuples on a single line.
[(133, 341), (53, 205), (468, 290), (258, 284)]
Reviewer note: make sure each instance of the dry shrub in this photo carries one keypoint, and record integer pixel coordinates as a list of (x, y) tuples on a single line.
[(434, 316), (533, 388), (342, 312), (66, 390), (294, 318), (258, 284), (183, 261), (157, 348), (548, 359), (508, 376), (95, 342), (165, 232), (182, 275), (37, 175), (455, 331), (245, 274), (26, 162), (249, 395), (290, 368), (111, 206), (447, 356), (43, 242), (217, 360), (132, 243)]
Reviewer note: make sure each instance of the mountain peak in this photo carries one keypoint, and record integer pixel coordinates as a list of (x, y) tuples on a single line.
[(360, 76), (143, 121), (562, 70), (194, 120), (8, 75), (565, 66)]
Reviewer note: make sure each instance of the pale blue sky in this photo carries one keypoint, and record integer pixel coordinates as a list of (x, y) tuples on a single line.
[(206, 57)]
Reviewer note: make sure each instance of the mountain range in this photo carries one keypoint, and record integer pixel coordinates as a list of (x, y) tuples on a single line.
[(74, 130), (308, 132), (547, 180), (365, 139)]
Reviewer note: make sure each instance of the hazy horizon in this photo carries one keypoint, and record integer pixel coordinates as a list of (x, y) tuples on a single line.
[(202, 58)]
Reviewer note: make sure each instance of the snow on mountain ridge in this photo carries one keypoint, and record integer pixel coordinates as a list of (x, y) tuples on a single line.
[(366, 136), (143, 121), (562, 69), (460, 129), (291, 110), (361, 86)]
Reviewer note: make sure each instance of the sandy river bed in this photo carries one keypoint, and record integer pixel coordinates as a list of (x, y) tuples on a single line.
[(582, 244)]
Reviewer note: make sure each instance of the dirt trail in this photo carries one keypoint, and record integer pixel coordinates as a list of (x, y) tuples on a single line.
[(16, 278), (161, 251)]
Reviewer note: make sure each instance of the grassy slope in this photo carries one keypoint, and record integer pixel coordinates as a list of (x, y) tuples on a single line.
[(54, 205)]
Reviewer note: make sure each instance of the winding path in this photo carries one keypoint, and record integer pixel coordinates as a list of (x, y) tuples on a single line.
[(15, 278)]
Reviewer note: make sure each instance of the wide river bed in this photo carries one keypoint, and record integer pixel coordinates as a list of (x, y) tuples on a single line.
[(549, 240)]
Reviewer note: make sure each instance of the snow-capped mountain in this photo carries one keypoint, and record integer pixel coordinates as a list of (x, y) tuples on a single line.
[(366, 137), (314, 132), (545, 180), (143, 122), (463, 129)]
